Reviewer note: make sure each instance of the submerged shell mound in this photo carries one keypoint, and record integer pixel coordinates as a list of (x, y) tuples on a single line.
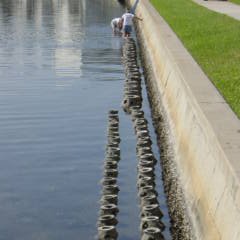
[(132, 85), (107, 220), (151, 226)]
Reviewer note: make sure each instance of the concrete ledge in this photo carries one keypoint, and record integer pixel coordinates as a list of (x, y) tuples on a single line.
[(205, 130)]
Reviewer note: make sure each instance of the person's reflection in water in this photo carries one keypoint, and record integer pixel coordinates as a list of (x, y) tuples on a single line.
[(116, 42)]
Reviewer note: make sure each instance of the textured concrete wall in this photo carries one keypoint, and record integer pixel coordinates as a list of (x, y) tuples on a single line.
[(205, 130)]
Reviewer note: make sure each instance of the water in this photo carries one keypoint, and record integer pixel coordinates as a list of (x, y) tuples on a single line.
[(60, 73)]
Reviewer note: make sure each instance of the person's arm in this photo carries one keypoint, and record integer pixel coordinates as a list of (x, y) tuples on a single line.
[(112, 24), (138, 18), (120, 23)]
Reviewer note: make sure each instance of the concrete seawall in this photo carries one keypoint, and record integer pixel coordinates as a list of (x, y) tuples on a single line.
[(205, 132)]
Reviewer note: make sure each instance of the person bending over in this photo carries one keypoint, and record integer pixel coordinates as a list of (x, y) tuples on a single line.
[(116, 25)]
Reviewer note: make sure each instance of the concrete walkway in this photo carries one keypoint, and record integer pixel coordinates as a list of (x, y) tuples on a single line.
[(225, 7)]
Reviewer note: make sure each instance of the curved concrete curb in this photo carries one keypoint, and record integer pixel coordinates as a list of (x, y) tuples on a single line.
[(205, 130)]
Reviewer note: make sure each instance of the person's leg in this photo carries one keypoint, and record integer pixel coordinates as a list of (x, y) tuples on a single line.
[(125, 30), (128, 30), (112, 25)]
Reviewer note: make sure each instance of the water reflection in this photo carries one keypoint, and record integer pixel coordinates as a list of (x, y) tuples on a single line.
[(60, 73), (68, 62), (68, 59), (52, 138), (27, 23)]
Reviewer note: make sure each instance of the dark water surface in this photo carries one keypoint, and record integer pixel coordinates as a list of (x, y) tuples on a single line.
[(60, 73)]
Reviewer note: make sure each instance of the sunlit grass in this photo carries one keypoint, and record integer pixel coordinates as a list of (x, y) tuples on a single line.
[(235, 1), (213, 40)]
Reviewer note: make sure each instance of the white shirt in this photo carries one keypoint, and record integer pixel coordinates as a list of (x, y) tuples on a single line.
[(114, 22), (127, 19)]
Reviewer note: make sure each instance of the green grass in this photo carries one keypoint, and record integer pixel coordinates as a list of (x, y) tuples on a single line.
[(213, 40), (235, 1)]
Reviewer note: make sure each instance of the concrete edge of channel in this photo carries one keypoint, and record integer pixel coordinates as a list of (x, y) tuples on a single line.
[(204, 129)]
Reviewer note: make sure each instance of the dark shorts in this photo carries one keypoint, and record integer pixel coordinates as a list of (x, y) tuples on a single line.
[(127, 29)]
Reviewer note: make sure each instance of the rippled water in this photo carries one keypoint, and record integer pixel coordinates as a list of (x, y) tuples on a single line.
[(60, 73)]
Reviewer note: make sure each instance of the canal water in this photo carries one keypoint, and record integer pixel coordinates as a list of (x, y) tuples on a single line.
[(60, 74)]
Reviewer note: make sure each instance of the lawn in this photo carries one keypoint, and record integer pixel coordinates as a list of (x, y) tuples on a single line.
[(213, 40), (235, 1)]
